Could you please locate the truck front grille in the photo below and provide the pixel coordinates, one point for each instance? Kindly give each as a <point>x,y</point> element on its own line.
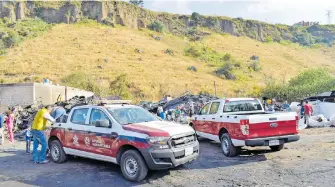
<point>182,141</point>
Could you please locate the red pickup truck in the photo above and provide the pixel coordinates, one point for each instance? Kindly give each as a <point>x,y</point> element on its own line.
<point>239,122</point>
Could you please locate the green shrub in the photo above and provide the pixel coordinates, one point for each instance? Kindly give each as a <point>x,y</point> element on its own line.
<point>120,87</point>
<point>227,57</point>
<point>269,39</point>
<point>156,26</point>
<point>195,18</point>
<point>307,83</point>
<point>255,65</point>
<point>303,38</point>
<point>12,39</point>
<point>226,71</point>
<point>81,80</point>
<point>193,51</point>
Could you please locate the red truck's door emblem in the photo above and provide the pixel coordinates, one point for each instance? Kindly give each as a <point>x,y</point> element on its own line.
<point>75,140</point>
<point>273,125</point>
<point>87,141</point>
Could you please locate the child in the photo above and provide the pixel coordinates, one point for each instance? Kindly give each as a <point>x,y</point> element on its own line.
<point>28,138</point>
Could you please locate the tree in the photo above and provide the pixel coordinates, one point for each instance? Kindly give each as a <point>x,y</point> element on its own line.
<point>195,18</point>
<point>156,26</point>
<point>136,2</point>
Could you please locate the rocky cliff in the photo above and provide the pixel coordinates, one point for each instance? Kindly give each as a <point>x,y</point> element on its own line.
<point>135,17</point>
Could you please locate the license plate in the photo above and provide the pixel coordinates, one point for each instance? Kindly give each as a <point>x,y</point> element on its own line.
<point>188,151</point>
<point>273,142</point>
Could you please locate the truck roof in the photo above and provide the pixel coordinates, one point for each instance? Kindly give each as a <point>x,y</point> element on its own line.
<point>108,106</point>
<point>235,99</point>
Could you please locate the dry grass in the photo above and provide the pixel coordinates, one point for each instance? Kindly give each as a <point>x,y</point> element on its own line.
<point>70,48</point>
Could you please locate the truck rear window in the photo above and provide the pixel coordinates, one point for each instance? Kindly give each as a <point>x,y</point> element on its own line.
<point>242,106</point>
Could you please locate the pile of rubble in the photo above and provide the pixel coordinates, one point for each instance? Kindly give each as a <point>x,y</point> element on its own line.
<point>25,116</point>
<point>185,103</point>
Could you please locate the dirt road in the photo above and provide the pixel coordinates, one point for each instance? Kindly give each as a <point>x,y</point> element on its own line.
<point>309,162</point>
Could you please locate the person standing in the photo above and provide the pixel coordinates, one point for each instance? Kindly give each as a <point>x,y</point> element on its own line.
<point>161,112</point>
<point>38,127</point>
<point>28,138</point>
<point>308,110</point>
<point>10,125</point>
<point>2,136</point>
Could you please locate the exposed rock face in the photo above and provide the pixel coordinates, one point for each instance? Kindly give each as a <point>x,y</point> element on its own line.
<point>118,12</point>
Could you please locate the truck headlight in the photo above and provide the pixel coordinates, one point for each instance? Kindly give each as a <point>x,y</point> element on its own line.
<point>161,142</point>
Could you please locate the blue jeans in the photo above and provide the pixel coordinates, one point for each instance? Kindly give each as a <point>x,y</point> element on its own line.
<point>39,138</point>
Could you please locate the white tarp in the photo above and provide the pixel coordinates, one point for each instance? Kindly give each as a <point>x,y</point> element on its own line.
<point>326,109</point>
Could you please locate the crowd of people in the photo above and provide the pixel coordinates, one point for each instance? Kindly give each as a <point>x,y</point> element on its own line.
<point>180,113</point>
<point>35,132</point>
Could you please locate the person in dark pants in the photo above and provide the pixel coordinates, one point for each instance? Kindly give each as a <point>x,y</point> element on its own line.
<point>28,138</point>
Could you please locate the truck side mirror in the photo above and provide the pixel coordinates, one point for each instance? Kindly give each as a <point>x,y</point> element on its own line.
<point>103,123</point>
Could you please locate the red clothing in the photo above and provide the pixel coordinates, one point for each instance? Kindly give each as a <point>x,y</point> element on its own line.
<point>308,109</point>
<point>10,126</point>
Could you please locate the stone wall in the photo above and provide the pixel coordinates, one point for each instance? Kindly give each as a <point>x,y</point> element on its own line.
<point>29,93</point>
<point>12,94</point>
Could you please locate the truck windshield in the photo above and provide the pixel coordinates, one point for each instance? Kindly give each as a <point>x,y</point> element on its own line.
<point>242,106</point>
<point>126,116</point>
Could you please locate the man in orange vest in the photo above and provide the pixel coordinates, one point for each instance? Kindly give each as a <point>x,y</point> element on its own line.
<point>38,127</point>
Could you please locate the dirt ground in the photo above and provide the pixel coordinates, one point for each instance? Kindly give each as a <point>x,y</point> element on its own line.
<point>308,162</point>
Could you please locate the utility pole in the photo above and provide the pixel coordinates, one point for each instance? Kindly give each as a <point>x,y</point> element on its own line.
<point>329,16</point>
<point>215,88</point>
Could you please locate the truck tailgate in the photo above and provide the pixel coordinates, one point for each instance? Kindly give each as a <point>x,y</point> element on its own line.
<point>266,125</point>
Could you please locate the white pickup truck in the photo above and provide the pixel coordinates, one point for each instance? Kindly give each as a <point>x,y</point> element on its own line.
<point>123,134</point>
<point>238,122</point>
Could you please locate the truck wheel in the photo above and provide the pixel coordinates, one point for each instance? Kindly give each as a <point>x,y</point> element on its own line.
<point>277,147</point>
<point>133,166</point>
<point>228,149</point>
<point>56,151</point>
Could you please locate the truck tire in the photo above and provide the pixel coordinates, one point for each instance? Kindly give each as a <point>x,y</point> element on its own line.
<point>277,147</point>
<point>133,166</point>
<point>228,149</point>
<point>57,152</point>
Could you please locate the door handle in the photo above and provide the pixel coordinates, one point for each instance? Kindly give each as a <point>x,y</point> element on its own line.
<point>114,135</point>
<point>89,132</point>
<point>70,129</point>
<point>59,125</point>
<point>213,118</point>
<point>203,118</point>
<point>220,116</point>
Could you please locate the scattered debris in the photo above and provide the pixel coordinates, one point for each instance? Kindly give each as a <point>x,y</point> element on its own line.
<point>106,60</point>
<point>169,51</point>
<point>99,67</point>
<point>25,116</point>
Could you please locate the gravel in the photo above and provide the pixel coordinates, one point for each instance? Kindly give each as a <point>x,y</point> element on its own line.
<point>308,162</point>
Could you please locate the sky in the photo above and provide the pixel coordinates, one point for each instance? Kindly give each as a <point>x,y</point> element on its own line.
<point>272,11</point>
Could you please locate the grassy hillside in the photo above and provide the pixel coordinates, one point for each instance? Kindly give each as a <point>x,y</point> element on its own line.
<point>104,53</point>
